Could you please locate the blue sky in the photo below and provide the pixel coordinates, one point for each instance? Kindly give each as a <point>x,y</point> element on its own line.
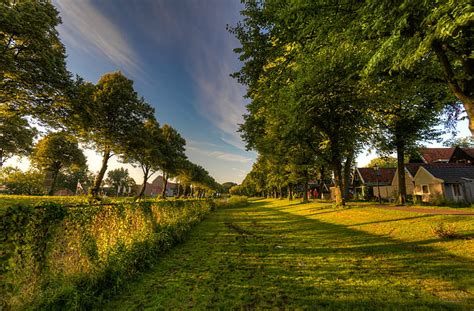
<point>180,55</point>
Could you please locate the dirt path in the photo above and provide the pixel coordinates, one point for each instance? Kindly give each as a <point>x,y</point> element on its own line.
<point>427,210</point>
<point>281,255</point>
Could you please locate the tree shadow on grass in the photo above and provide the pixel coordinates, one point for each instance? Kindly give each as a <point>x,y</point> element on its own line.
<point>265,257</point>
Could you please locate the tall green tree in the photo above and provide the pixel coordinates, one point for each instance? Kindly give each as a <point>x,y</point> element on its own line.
<point>173,157</point>
<point>55,152</point>
<point>291,63</point>
<point>33,75</point>
<point>109,116</point>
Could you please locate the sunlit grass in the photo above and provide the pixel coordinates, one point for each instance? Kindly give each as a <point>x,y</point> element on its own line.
<point>281,254</point>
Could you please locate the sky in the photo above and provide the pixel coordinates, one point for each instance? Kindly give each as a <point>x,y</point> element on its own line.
<point>180,56</point>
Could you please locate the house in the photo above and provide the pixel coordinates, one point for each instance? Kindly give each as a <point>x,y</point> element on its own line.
<point>366,182</point>
<point>444,155</point>
<point>451,183</point>
<point>155,188</point>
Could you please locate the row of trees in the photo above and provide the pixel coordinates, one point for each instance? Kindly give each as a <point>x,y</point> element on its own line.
<point>325,79</point>
<point>108,117</point>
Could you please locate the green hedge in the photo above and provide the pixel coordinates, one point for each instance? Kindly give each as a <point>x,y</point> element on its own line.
<point>59,257</point>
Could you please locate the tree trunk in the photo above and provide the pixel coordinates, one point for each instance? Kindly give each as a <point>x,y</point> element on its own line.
<point>165,183</point>
<point>178,193</point>
<point>321,182</point>
<point>402,191</point>
<point>53,182</point>
<point>347,175</point>
<point>305,186</point>
<point>1,158</point>
<point>338,186</point>
<point>146,171</point>
<point>290,192</point>
<point>280,192</point>
<point>98,180</point>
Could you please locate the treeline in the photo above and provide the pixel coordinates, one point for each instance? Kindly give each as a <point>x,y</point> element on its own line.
<point>37,91</point>
<point>327,78</point>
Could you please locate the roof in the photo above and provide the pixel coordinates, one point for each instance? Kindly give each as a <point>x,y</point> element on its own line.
<point>368,175</point>
<point>413,167</point>
<point>433,155</point>
<point>451,174</point>
<point>469,151</point>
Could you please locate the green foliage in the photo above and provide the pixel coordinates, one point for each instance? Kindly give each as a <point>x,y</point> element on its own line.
<point>33,74</point>
<point>383,162</point>
<point>119,178</point>
<point>463,142</point>
<point>71,257</point>
<point>18,182</point>
<point>146,151</point>
<point>56,152</point>
<point>16,135</point>
<point>109,116</point>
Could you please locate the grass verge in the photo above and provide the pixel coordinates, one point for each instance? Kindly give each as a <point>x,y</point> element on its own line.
<point>287,255</point>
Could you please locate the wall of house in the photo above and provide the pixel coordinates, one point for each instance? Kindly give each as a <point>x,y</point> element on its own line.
<point>468,188</point>
<point>436,188</point>
<point>386,192</point>
<point>408,184</point>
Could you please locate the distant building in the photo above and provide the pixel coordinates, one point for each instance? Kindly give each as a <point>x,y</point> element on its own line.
<point>155,188</point>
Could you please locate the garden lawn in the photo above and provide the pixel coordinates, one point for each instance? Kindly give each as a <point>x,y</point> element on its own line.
<point>281,254</point>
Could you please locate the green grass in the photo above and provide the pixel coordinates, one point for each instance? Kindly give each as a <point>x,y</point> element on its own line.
<point>286,255</point>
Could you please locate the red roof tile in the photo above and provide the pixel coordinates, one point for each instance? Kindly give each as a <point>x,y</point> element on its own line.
<point>369,177</point>
<point>433,155</point>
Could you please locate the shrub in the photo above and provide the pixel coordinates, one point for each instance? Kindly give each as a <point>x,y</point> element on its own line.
<point>444,231</point>
<point>53,256</point>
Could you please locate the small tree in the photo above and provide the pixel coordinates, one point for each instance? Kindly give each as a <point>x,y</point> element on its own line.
<point>146,151</point>
<point>55,152</point>
<point>118,178</point>
<point>19,182</point>
<point>173,154</point>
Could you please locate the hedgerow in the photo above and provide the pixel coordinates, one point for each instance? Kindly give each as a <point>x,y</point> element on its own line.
<point>59,257</point>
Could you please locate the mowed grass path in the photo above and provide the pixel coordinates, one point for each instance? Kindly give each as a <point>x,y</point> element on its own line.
<point>285,255</point>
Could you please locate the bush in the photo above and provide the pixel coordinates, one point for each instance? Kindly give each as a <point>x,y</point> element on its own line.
<point>53,256</point>
<point>444,231</point>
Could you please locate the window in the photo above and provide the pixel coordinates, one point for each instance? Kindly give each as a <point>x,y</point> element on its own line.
<point>456,190</point>
<point>425,189</point>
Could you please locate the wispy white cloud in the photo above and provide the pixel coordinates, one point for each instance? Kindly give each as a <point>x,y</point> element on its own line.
<point>217,154</point>
<point>87,28</point>
<point>202,37</point>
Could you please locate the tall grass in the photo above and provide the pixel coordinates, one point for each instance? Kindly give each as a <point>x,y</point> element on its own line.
<point>54,256</point>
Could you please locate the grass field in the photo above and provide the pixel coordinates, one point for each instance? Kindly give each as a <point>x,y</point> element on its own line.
<point>278,254</point>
